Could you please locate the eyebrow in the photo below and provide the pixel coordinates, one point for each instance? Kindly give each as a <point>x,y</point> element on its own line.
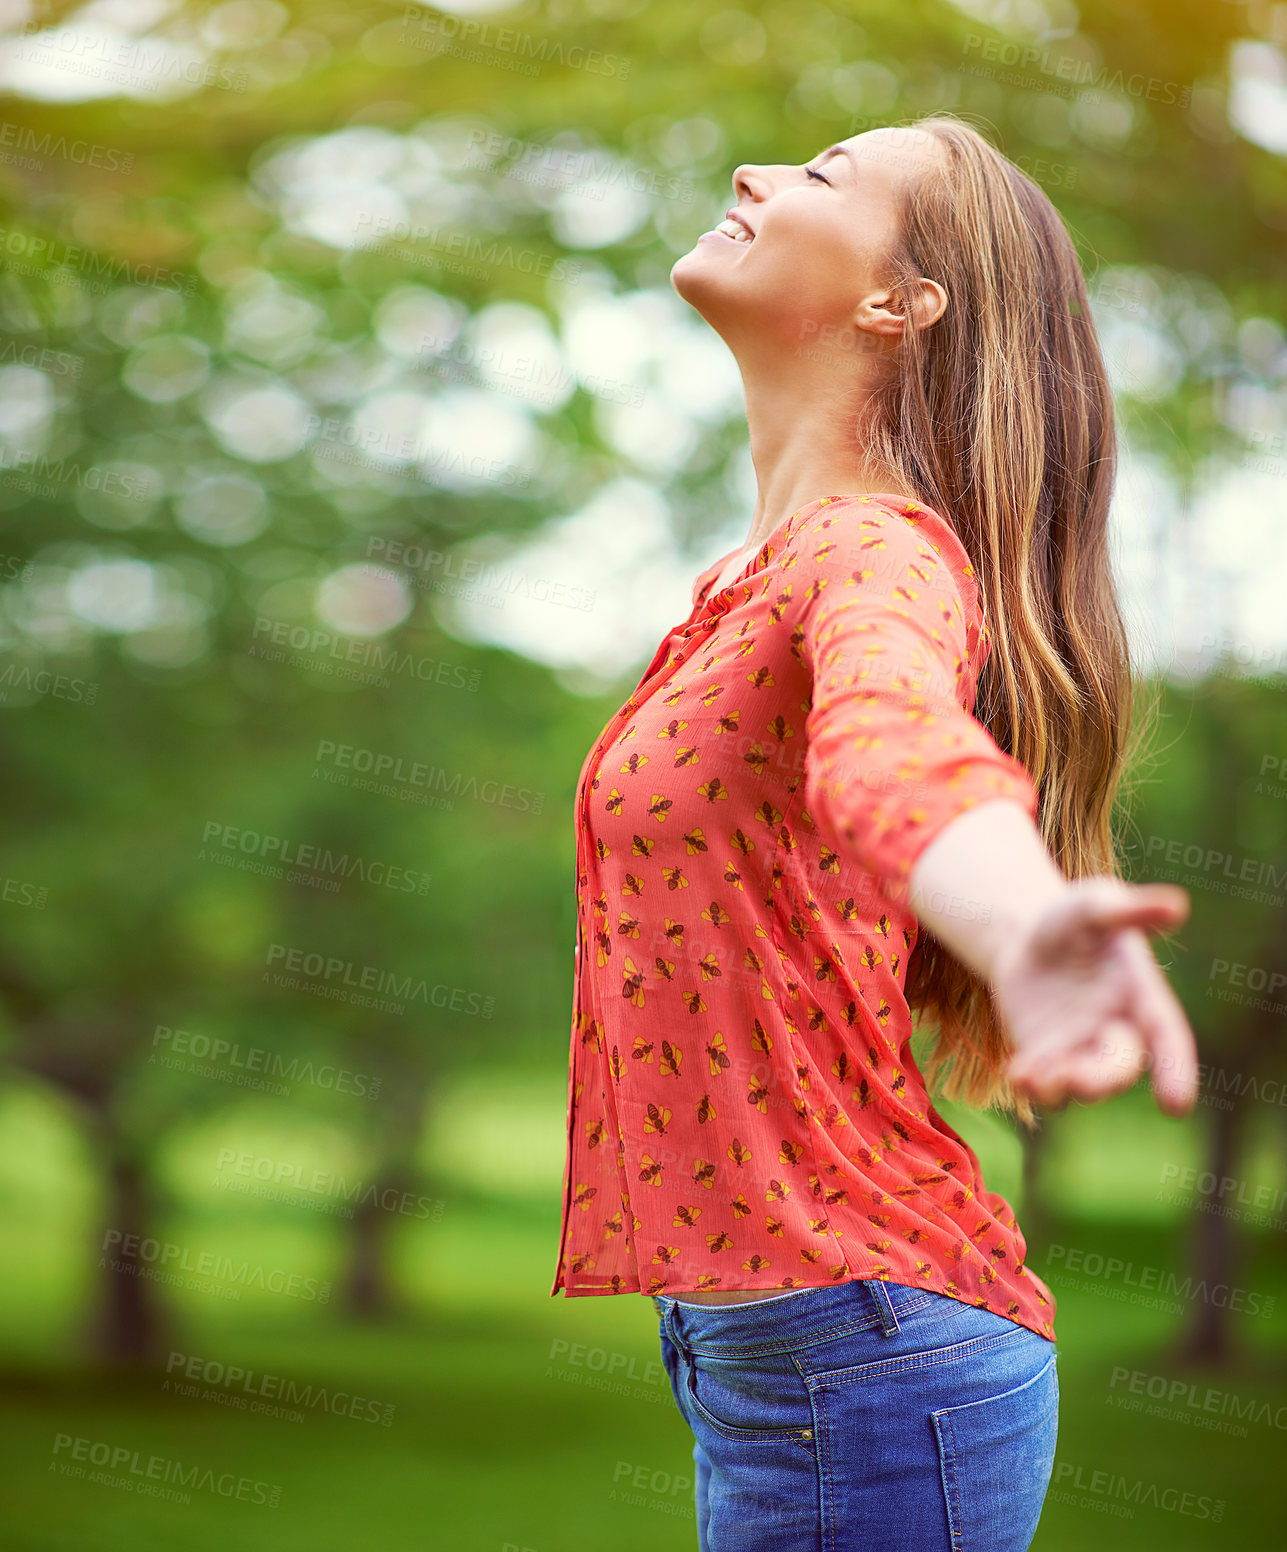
<point>843,150</point>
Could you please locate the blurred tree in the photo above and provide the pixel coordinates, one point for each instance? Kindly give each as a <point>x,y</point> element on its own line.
<point>213,349</point>
<point>1209,809</point>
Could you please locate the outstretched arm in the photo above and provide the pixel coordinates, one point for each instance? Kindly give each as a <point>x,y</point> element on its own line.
<point>916,791</point>
<point>1083,1002</point>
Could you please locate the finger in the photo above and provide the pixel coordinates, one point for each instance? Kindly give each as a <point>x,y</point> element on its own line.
<point>1157,1012</point>
<point>1092,908</point>
<point>1032,1067</point>
<point>1111,1066</point>
<point>1172,1049</point>
<point>1152,907</point>
<point>1122,1051</point>
<point>1040,1073</point>
<point>1051,1106</point>
<point>1039,1089</point>
<point>1093,1068</point>
<point>1048,1083</point>
<point>1044,1053</point>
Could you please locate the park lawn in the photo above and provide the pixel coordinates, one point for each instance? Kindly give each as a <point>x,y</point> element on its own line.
<point>504,1432</point>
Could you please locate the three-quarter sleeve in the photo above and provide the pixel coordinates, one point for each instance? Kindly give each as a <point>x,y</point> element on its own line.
<point>891,632</point>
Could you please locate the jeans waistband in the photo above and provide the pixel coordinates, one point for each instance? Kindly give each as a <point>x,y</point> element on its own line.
<point>771,1325</point>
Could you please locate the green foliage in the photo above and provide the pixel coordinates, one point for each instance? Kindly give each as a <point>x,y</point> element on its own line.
<point>173,309</point>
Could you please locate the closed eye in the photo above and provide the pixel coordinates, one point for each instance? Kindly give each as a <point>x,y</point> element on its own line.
<point>809,172</point>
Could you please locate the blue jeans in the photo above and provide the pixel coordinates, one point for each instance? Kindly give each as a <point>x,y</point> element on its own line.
<point>863,1415</point>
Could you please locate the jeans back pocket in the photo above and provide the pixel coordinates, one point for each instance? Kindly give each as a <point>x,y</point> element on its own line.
<point>997,1454</point>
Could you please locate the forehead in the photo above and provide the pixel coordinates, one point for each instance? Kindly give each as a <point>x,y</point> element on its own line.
<point>893,151</point>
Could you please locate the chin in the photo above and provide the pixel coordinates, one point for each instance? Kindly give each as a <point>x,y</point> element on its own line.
<point>680,270</point>
<point>692,279</point>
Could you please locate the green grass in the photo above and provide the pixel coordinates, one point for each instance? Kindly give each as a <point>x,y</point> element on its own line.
<point>497,1438</point>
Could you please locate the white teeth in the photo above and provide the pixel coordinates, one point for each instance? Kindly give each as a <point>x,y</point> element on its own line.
<point>734,229</point>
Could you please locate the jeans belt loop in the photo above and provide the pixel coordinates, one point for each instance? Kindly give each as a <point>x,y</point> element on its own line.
<point>884,1307</point>
<point>668,1311</point>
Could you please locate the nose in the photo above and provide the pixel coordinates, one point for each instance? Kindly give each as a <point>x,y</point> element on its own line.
<point>750,181</point>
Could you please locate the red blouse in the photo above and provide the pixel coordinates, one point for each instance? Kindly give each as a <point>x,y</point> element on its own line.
<point>743,1108</point>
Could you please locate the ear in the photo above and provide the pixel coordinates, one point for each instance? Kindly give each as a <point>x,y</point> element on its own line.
<point>881,312</point>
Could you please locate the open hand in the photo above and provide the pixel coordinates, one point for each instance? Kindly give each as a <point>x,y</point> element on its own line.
<point>1086,1006</point>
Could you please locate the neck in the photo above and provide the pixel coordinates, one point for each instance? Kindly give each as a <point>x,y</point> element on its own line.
<point>803,423</point>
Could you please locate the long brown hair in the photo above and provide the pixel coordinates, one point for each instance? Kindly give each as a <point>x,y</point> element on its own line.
<point>1000,417</point>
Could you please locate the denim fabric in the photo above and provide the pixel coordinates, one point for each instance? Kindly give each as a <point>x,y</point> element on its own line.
<point>863,1415</point>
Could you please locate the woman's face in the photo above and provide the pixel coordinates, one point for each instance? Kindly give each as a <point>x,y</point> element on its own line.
<point>820,233</point>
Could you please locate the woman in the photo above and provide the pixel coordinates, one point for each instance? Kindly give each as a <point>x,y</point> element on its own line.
<point>872,771</point>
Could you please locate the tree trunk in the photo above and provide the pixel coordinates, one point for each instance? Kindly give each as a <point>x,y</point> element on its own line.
<point>1034,1215</point>
<point>1216,1245</point>
<point>1214,1250</point>
<point>128,1326</point>
<point>368,1290</point>
<point>368,1287</point>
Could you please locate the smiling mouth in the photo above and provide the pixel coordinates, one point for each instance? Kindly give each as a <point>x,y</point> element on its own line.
<point>734,229</point>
